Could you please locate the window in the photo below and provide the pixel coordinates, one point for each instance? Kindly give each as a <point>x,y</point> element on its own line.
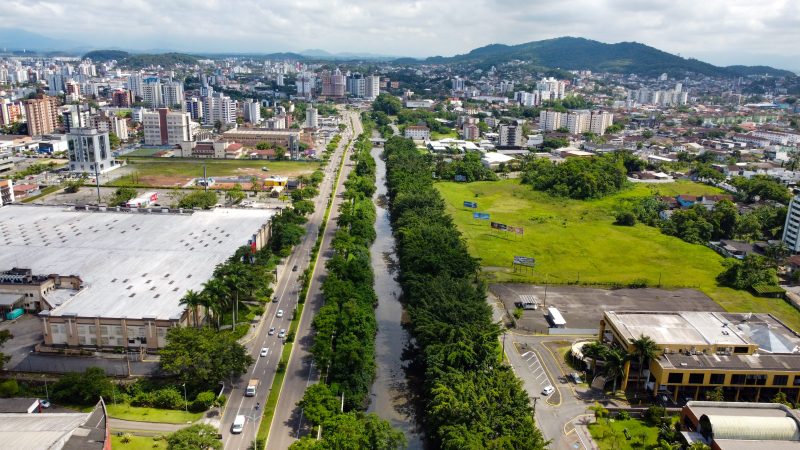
<point>58,332</point>
<point>740,350</point>
<point>87,334</point>
<point>696,378</point>
<point>737,378</point>
<point>755,380</point>
<point>780,380</point>
<point>796,381</point>
<point>675,378</point>
<point>717,378</point>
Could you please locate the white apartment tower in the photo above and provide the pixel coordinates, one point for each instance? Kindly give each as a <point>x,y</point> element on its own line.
<point>550,120</point>
<point>219,107</point>
<point>791,229</point>
<point>601,120</point>
<point>172,93</point>
<point>311,118</point>
<point>373,87</point>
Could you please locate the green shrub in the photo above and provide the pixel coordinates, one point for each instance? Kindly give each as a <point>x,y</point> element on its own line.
<point>9,388</point>
<point>623,415</point>
<point>203,401</point>
<point>220,401</point>
<point>168,398</point>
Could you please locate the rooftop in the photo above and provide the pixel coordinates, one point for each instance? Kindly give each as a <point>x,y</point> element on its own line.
<point>133,265</point>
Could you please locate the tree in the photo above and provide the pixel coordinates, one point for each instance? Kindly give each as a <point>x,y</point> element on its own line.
<point>625,218</point>
<point>195,437</point>
<point>193,300</point>
<point>318,403</point>
<point>74,186</point>
<point>303,207</point>
<point>199,199</point>
<point>644,350</point>
<point>745,273</point>
<point>780,397</point>
<point>114,141</point>
<point>388,104</point>
<point>615,365</point>
<point>716,395</point>
<point>83,388</point>
<point>5,336</point>
<point>202,357</point>
<point>600,412</point>
<point>122,195</point>
<point>594,350</point>
<point>280,153</point>
<point>235,194</point>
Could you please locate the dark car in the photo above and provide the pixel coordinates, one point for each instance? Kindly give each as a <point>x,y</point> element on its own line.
<point>294,269</point>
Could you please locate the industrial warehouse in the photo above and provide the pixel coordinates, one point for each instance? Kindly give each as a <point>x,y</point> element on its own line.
<point>115,278</point>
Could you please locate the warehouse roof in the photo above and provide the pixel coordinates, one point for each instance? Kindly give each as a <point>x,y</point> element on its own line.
<point>133,265</point>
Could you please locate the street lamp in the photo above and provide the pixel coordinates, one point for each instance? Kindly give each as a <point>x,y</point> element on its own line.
<point>185,400</point>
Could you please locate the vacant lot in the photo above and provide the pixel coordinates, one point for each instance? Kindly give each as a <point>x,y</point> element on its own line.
<point>172,172</point>
<point>576,242</point>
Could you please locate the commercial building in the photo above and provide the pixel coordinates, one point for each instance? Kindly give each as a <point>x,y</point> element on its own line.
<point>89,151</point>
<point>791,229</point>
<point>134,267</point>
<point>42,115</point>
<point>165,127</point>
<point>23,426</point>
<point>253,136</point>
<point>740,425</point>
<point>751,357</point>
<point>511,136</point>
<point>417,132</point>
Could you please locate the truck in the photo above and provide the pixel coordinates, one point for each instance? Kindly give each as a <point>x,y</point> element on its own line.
<point>251,388</point>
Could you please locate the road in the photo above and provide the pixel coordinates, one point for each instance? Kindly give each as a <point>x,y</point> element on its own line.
<point>287,292</point>
<point>288,424</point>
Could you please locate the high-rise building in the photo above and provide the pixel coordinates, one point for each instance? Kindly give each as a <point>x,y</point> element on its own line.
<point>305,84</point>
<point>372,87</point>
<point>511,136</point>
<point>356,85</point>
<point>252,111</point>
<point>42,115</point>
<point>194,106</point>
<point>152,93</point>
<point>333,84</point>
<point>791,229</point>
<point>458,84</point>
<point>89,151</point>
<point>551,89</point>
<point>471,132</point>
<point>55,83</point>
<point>165,127</point>
<point>122,98</point>
<point>601,120</point>
<point>219,107</point>
<point>550,120</point>
<point>311,117</point>
<point>172,93</point>
<point>75,116</point>
<point>578,121</point>
<point>136,84</point>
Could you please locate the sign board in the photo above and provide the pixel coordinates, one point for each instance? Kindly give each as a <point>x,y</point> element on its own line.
<point>480,216</point>
<point>518,230</point>
<point>460,178</point>
<point>469,204</point>
<point>499,226</point>
<point>524,261</point>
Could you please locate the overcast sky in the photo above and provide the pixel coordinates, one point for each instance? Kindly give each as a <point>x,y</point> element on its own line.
<point>718,31</point>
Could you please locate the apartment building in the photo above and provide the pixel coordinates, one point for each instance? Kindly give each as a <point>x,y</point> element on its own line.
<point>165,127</point>
<point>791,228</point>
<point>219,108</point>
<point>511,136</point>
<point>42,115</point>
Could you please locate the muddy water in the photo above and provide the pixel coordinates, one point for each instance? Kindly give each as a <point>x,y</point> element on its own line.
<point>390,396</point>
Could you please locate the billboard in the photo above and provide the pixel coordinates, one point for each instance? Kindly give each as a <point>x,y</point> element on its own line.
<point>524,261</point>
<point>469,204</point>
<point>480,216</point>
<point>499,226</point>
<point>518,230</point>
<point>460,178</point>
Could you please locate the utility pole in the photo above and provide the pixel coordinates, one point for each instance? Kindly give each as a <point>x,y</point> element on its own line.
<point>205,178</point>
<point>97,180</point>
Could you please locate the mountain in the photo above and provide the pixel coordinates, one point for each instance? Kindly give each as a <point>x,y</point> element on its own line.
<point>571,53</point>
<point>18,39</point>
<point>142,60</point>
<point>350,56</point>
<point>106,55</point>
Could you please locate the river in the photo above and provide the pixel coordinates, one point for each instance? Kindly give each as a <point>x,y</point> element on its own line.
<point>390,395</point>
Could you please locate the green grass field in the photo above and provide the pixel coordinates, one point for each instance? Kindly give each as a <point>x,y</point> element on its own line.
<point>135,413</point>
<point>173,172</point>
<point>136,443</point>
<point>611,435</point>
<point>576,242</point>
<point>436,135</point>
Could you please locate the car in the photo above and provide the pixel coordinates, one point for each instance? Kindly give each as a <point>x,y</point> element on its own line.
<point>548,390</point>
<point>264,351</point>
<point>275,299</point>
<point>282,333</point>
<point>44,403</point>
<point>576,377</point>
<point>271,331</point>
<point>238,424</point>
<point>279,314</point>
<point>294,269</point>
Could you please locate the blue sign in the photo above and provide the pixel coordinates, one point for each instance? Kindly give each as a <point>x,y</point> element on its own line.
<point>480,216</point>
<point>461,178</point>
<point>469,204</point>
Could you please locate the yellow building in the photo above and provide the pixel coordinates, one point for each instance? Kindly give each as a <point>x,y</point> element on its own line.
<point>750,356</point>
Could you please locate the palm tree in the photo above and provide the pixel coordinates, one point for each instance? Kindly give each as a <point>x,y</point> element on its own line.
<point>615,365</point>
<point>594,350</point>
<point>644,349</point>
<point>192,299</point>
<point>218,296</point>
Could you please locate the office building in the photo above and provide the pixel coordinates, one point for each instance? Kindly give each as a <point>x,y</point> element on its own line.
<point>252,111</point>
<point>172,95</point>
<point>165,127</point>
<point>75,116</point>
<point>42,115</point>
<point>130,284</point>
<point>791,228</point>
<point>89,151</point>
<point>311,118</point>
<point>373,87</point>
<point>511,136</point>
<point>356,85</point>
<point>750,356</point>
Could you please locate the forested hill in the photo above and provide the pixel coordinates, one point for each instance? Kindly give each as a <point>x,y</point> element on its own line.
<point>572,53</point>
<point>138,61</point>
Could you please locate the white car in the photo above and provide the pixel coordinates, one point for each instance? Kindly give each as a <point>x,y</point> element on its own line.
<point>271,331</point>
<point>282,334</point>
<point>264,351</point>
<point>44,403</point>
<point>548,390</point>
<point>279,314</point>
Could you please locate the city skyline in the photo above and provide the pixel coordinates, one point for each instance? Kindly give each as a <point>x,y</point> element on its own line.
<point>732,32</point>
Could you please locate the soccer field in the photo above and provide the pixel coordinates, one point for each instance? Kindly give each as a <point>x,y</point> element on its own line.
<point>576,242</point>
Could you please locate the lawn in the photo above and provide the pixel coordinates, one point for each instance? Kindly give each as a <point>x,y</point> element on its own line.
<point>611,435</point>
<point>173,172</point>
<point>575,241</point>
<point>136,443</point>
<point>436,135</point>
<point>135,413</point>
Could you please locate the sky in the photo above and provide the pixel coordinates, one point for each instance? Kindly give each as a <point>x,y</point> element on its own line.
<point>721,32</point>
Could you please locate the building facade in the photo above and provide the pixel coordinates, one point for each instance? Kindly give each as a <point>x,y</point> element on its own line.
<point>418,133</point>
<point>42,115</point>
<point>89,151</point>
<point>165,127</point>
<point>791,228</point>
<point>511,136</point>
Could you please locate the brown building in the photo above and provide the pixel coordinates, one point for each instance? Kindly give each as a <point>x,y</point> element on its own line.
<point>122,98</point>
<point>250,137</point>
<point>42,115</point>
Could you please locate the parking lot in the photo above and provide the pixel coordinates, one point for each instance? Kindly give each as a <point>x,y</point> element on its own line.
<point>542,379</point>
<point>583,307</point>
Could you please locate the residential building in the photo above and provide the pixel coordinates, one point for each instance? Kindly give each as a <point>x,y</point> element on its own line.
<point>333,84</point>
<point>551,89</point>
<point>457,84</point>
<point>55,83</point>
<point>550,120</point>
<point>791,228</point>
<point>372,87</point>
<point>578,121</point>
<point>417,132</point>
<point>601,120</point>
<point>194,106</point>
<point>172,94</point>
<point>750,356</point>
<point>152,93</point>
<point>6,192</point>
<point>219,107</point>
<point>356,85</point>
<point>122,98</point>
<point>305,84</point>
<point>136,84</point>
<point>42,115</point>
<point>9,112</point>
<point>165,127</point>
<point>311,118</point>
<point>471,132</point>
<point>75,116</point>
<point>252,111</point>
<point>89,151</point>
<point>511,136</point>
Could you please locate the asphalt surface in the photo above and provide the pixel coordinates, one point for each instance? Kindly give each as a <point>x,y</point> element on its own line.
<point>287,292</point>
<point>288,423</point>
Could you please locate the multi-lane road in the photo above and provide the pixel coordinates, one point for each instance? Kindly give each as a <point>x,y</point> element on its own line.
<point>288,423</point>
<point>287,292</point>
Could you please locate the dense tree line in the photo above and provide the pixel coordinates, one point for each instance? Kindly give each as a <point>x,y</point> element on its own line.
<point>470,167</point>
<point>345,326</point>
<point>578,178</point>
<point>761,187</point>
<point>472,399</point>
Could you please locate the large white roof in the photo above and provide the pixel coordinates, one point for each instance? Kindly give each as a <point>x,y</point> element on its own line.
<point>133,265</point>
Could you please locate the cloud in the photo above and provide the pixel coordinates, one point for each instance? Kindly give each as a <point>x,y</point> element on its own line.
<point>719,31</point>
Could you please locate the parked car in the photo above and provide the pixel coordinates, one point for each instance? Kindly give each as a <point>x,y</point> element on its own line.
<point>576,377</point>
<point>548,390</point>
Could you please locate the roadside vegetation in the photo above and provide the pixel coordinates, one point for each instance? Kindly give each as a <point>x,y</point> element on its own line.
<point>456,347</point>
